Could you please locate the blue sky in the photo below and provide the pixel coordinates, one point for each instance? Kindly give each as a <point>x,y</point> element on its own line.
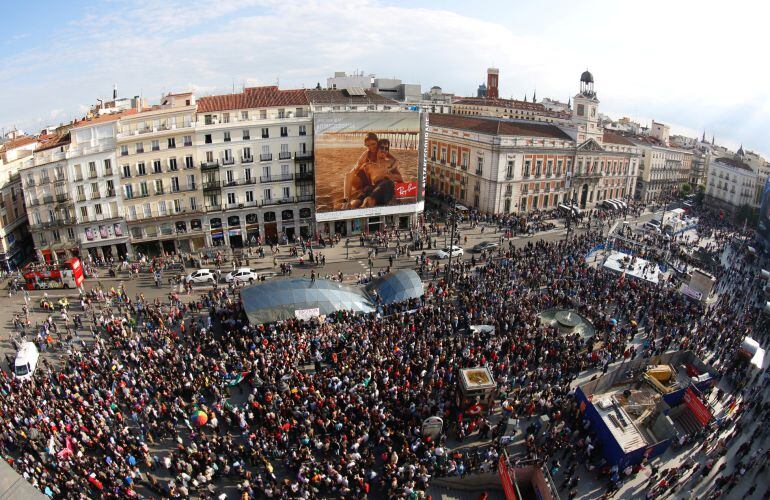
<point>693,65</point>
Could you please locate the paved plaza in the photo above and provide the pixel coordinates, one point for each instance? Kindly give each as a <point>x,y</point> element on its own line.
<point>267,444</point>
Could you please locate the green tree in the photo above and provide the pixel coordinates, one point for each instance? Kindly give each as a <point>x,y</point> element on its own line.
<point>685,190</point>
<point>748,215</point>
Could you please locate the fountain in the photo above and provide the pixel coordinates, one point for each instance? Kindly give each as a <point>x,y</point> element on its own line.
<point>568,322</point>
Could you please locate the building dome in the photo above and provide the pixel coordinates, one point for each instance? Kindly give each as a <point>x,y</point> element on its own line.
<point>587,77</point>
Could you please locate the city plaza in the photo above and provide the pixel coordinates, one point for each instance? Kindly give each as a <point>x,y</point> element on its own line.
<point>170,391</point>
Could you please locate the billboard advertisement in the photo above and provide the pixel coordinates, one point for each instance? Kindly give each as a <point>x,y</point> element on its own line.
<point>368,163</point>
<point>764,214</point>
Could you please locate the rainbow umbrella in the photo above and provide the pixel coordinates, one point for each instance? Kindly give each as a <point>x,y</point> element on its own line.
<point>199,418</point>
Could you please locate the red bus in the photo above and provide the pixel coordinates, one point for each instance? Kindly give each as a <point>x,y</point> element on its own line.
<point>69,274</point>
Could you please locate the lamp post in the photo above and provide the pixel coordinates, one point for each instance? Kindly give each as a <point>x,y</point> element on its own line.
<point>453,221</point>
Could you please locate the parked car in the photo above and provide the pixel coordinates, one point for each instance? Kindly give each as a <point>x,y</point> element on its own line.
<point>445,252</point>
<point>486,245</point>
<point>201,276</point>
<point>652,225</point>
<point>26,361</point>
<point>242,275</point>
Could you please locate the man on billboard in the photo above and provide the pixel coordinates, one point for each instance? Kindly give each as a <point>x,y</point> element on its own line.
<point>372,182</point>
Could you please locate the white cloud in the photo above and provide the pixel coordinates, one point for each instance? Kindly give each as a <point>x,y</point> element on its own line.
<point>678,62</point>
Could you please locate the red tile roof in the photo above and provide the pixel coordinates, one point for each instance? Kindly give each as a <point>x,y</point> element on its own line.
<point>616,139</point>
<point>253,97</point>
<point>17,143</point>
<point>493,126</point>
<point>103,118</point>
<point>501,103</point>
<point>735,163</point>
<point>51,141</point>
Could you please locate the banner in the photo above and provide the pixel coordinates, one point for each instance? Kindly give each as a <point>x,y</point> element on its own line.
<point>700,410</point>
<point>505,479</point>
<point>307,314</point>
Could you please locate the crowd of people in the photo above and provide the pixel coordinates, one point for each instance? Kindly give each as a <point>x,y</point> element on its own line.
<point>333,408</point>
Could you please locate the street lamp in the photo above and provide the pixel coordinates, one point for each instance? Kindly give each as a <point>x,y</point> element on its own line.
<point>453,221</point>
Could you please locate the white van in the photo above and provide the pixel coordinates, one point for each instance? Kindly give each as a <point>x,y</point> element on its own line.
<point>26,361</point>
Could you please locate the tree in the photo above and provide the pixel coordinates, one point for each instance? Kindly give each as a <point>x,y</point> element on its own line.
<point>685,190</point>
<point>748,215</point>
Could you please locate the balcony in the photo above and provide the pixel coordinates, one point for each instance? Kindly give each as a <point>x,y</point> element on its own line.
<point>110,193</point>
<point>31,183</point>
<point>266,157</point>
<point>278,201</point>
<point>303,155</point>
<point>228,161</point>
<point>229,183</point>
<point>249,159</point>
<point>209,165</point>
<point>284,155</point>
<point>303,176</point>
<point>305,197</point>
<point>92,175</point>
<point>276,178</point>
<point>108,173</point>
<point>78,178</point>
<point>212,208</point>
<point>96,196</point>
<point>464,167</point>
<point>211,185</point>
<point>48,199</point>
<point>246,182</point>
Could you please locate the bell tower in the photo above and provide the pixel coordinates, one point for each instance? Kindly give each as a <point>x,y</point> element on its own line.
<point>585,111</point>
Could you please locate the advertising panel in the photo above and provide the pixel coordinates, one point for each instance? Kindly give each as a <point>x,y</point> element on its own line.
<point>368,163</point>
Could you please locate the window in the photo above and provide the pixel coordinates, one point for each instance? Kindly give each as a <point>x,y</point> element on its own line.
<point>156,167</point>
<point>208,120</point>
<point>140,170</point>
<point>175,184</point>
<point>110,188</point>
<point>581,111</point>
<point>84,212</point>
<point>191,182</point>
<point>286,192</point>
<point>107,167</point>
<point>526,168</point>
<point>247,174</point>
<point>162,208</point>
<point>538,167</point>
<point>265,133</point>
<point>171,142</point>
<point>246,135</point>
<point>231,198</point>
<point>302,130</point>
<point>244,115</point>
<point>479,166</point>
<point>225,117</point>
<point>207,138</point>
<point>139,147</point>
<point>281,113</point>
<point>55,234</point>
<point>94,190</point>
<point>187,140</point>
<point>266,172</point>
<point>158,186</point>
<point>188,162</point>
<point>227,136</point>
<point>156,145</point>
<point>229,176</point>
<point>193,203</point>
<point>98,209</point>
<point>178,206</point>
<point>249,196</point>
<point>263,114</point>
<point>266,194</point>
<point>124,150</point>
<point>509,172</point>
<point>209,156</point>
<point>143,189</point>
<point>129,191</point>
<point>549,168</point>
<point>172,164</point>
<point>558,167</point>
<point>246,153</point>
<point>284,131</point>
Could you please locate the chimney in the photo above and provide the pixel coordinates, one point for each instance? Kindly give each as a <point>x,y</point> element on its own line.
<point>114,91</point>
<point>492,79</point>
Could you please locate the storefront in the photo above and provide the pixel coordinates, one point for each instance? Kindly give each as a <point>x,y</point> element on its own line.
<point>216,232</point>
<point>252,229</point>
<point>234,232</point>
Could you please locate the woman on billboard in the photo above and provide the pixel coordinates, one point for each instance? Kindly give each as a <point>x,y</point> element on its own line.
<point>372,182</point>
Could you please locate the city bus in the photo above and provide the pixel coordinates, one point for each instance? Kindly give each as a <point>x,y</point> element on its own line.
<point>68,274</point>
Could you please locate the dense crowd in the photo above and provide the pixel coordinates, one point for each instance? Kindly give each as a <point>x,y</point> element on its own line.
<point>334,408</point>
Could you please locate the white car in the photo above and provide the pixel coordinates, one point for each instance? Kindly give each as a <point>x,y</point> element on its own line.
<point>201,276</point>
<point>454,250</point>
<point>242,275</point>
